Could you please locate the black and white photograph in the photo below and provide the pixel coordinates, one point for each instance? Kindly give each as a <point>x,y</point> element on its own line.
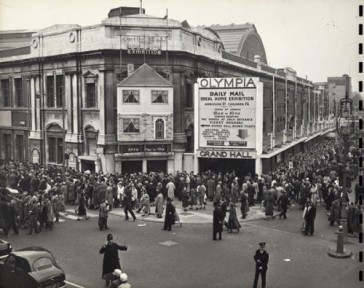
<point>181,144</point>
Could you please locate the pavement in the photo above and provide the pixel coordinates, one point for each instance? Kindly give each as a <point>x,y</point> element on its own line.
<point>194,216</point>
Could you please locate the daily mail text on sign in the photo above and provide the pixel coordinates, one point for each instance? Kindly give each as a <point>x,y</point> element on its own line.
<point>227,112</point>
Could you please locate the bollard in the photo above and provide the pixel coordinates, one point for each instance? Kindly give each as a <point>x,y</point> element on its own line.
<point>340,251</point>
<point>340,241</point>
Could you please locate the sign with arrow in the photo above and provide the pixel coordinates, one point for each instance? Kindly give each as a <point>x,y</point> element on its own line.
<point>227,112</point>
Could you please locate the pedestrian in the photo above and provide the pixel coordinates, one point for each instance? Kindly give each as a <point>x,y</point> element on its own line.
<point>283,201</point>
<point>309,215</point>
<point>201,192</point>
<point>244,204</point>
<point>12,218</point>
<point>111,257</point>
<point>335,212</point>
<point>33,216</point>
<point>169,217</point>
<point>145,203</point>
<point>113,278</point>
<point>185,199</point>
<point>233,222</point>
<point>159,203</point>
<point>261,258</point>
<point>128,203</point>
<point>217,221</point>
<point>171,188</point>
<point>81,210</point>
<point>103,215</point>
<point>124,281</point>
<point>269,204</point>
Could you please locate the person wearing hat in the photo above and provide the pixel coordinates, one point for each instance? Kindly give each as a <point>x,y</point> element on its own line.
<point>113,278</point>
<point>169,217</point>
<point>111,257</point>
<point>283,202</point>
<point>124,281</point>
<point>309,215</point>
<point>261,258</point>
<point>103,215</point>
<point>218,220</point>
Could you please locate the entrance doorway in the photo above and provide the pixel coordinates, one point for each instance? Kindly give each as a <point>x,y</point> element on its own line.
<point>241,166</point>
<point>88,165</point>
<point>157,166</point>
<point>131,167</point>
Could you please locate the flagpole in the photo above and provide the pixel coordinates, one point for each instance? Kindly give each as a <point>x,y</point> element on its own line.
<point>166,40</point>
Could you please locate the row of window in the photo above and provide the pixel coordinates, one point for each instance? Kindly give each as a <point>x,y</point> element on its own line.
<point>8,146</point>
<point>6,91</point>
<point>132,125</point>
<point>133,96</point>
<point>54,92</point>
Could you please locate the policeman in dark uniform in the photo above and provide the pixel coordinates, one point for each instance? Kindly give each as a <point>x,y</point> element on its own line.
<point>261,258</point>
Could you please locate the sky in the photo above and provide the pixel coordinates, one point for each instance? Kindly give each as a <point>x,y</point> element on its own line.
<point>317,38</point>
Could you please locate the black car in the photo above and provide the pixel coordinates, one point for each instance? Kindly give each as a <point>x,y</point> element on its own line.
<point>31,267</point>
<point>5,248</point>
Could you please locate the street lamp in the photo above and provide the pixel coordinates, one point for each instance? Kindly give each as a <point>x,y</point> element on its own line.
<point>345,129</point>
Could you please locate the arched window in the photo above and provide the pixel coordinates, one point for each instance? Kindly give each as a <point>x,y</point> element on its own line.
<point>159,129</point>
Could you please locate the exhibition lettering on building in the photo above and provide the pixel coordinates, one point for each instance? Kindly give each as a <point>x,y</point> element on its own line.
<point>228,118</point>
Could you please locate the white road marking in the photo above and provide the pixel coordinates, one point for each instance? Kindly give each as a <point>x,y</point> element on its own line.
<point>287,260</point>
<point>73,284</point>
<point>168,243</point>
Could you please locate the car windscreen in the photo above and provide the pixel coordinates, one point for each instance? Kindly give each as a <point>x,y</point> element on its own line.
<point>42,263</point>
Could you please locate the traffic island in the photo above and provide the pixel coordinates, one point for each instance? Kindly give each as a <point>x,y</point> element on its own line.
<point>340,252</point>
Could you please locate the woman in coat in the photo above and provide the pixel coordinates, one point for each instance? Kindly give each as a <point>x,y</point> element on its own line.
<point>169,218</point>
<point>159,203</point>
<point>81,210</point>
<point>269,202</point>
<point>335,212</point>
<point>233,220</point>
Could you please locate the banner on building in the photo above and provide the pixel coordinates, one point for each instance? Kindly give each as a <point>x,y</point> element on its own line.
<point>227,112</point>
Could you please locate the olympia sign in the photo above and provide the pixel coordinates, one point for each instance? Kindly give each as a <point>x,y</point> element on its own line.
<point>227,112</point>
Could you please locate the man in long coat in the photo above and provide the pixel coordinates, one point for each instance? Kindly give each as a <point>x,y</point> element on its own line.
<point>218,220</point>
<point>169,218</point>
<point>111,256</point>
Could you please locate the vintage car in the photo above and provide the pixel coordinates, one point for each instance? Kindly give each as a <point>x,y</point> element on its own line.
<point>31,267</point>
<point>5,248</point>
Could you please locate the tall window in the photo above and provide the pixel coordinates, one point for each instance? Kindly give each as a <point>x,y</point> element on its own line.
<point>7,146</point>
<point>20,148</point>
<point>50,91</point>
<point>5,91</point>
<point>90,95</point>
<point>131,125</point>
<point>59,90</point>
<point>19,92</point>
<point>189,95</point>
<point>131,96</point>
<point>159,129</point>
<point>159,96</point>
<point>55,150</point>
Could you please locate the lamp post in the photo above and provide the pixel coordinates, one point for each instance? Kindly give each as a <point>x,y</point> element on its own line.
<point>345,129</point>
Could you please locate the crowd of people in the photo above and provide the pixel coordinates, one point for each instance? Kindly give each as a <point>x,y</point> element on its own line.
<point>32,196</point>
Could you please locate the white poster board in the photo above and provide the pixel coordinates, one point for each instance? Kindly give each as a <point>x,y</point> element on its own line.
<point>227,112</point>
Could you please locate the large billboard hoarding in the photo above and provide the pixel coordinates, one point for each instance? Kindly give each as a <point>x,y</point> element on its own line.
<point>227,112</point>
